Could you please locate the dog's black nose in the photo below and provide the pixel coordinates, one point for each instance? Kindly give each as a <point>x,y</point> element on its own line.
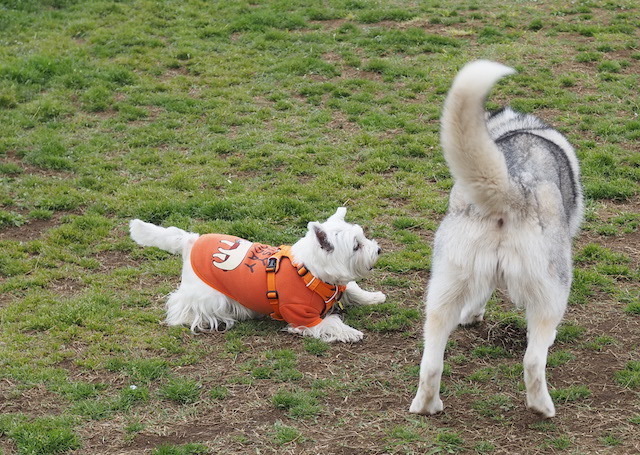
<point>379,251</point>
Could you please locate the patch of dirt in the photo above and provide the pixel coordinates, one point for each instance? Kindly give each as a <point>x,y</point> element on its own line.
<point>114,259</point>
<point>11,156</point>
<point>35,401</point>
<point>30,231</point>
<point>66,287</point>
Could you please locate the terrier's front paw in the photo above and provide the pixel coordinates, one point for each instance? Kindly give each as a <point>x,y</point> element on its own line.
<point>377,298</point>
<point>346,335</point>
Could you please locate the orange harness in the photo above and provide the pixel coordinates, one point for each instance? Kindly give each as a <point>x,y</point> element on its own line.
<point>329,293</point>
<point>263,278</point>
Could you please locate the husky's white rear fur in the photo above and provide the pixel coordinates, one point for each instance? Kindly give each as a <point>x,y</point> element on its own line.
<point>514,208</point>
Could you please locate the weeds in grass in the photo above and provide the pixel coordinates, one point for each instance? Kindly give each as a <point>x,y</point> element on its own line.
<point>385,317</point>
<point>633,307</point>
<point>611,440</point>
<point>558,358</point>
<point>568,332</point>
<point>630,376</point>
<point>494,407</point>
<point>142,370</point>
<point>279,366</point>
<point>448,442</point>
<point>218,393</point>
<point>103,408</point>
<point>315,346</point>
<point>490,352</point>
<point>181,390</point>
<point>599,343</point>
<point>560,442</point>
<point>573,393</point>
<point>297,403</point>
<point>283,434</point>
<point>186,449</point>
<point>48,435</point>
<point>484,447</point>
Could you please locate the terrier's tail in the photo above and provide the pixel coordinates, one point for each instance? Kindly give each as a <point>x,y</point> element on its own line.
<point>476,163</point>
<point>171,239</point>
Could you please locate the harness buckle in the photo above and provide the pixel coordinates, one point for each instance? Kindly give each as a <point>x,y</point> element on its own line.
<point>272,295</point>
<point>272,264</point>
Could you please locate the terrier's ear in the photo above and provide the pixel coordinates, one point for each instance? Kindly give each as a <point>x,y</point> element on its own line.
<point>339,215</point>
<point>321,235</point>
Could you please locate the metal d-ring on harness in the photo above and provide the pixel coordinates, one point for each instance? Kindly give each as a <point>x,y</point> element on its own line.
<point>329,293</point>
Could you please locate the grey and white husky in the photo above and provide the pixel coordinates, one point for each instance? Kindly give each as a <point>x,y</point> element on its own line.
<point>514,208</point>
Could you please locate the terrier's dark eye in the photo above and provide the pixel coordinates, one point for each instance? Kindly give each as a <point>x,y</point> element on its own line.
<point>357,246</point>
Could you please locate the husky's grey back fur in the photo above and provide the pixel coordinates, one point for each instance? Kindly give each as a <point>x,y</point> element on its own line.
<point>510,153</point>
<point>513,210</point>
<point>535,152</point>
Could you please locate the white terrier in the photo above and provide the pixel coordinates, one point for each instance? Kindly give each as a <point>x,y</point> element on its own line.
<point>514,208</point>
<point>227,279</point>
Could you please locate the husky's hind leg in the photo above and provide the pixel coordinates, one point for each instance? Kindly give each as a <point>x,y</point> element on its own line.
<point>449,291</point>
<point>545,302</point>
<point>541,332</point>
<point>473,311</point>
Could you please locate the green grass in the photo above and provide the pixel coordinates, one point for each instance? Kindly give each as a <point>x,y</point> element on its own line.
<point>181,390</point>
<point>630,376</point>
<point>49,435</point>
<point>569,332</point>
<point>297,403</point>
<point>254,118</point>
<point>611,440</point>
<point>185,449</point>
<point>493,407</point>
<point>279,365</point>
<point>385,317</point>
<point>316,347</point>
<point>283,434</point>
<point>558,358</point>
<point>562,442</point>
<point>218,393</point>
<point>572,393</point>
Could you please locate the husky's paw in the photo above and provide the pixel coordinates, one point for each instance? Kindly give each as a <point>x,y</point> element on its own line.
<point>471,319</point>
<point>418,406</point>
<point>543,406</point>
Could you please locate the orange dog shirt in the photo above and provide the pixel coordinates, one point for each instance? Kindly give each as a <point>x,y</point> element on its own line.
<point>240,270</point>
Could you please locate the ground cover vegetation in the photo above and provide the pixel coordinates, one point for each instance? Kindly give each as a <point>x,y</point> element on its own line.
<point>253,118</point>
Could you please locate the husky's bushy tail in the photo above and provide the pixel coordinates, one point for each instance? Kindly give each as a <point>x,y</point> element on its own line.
<point>171,239</point>
<point>476,163</point>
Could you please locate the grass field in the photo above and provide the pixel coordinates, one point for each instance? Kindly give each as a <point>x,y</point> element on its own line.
<point>253,118</point>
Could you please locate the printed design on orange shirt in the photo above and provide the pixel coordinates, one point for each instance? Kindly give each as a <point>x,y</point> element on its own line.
<point>233,254</point>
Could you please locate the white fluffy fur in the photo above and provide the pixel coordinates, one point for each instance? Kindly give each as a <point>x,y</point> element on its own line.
<point>465,138</point>
<point>199,306</point>
<point>493,236</point>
